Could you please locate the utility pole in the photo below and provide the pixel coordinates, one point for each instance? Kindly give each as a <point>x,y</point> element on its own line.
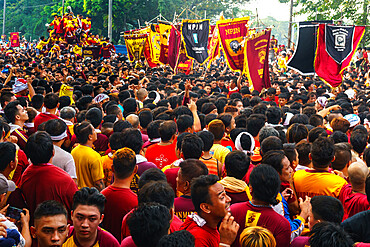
<point>62,8</point>
<point>4,17</point>
<point>110,20</point>
<point>290,23</point>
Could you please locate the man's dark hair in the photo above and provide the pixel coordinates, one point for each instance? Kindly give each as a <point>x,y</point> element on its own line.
<point>342,155</point>
<point>299,118</point>
<point>167,129</point>
<point>55,127</point>
<point>145,118</point>
<point>192,146</point>
<point>124,162</point>
<point>11,110</point>
<point>322,152</point>
<point>296,132</point>
<point>39,148</point>
<point>157,191</point>
<point>148,224</point>
<point>316,133</point>
<point>274,159</point>
<point>8,153</point>
<point>49,208</point>
<point>182,110</point>
<point>271,143</point>
<point>207,138</point>
<point>82,131</point>
<point>338,136</point>
<point>129,106</point>
<point>265,182</point>
<point>51,100</point>
<point>94,116</point>
<point>115,141</point>
<point>184,122</point>
<point>274,115</point>
<point>121,125</point>
<point>181,238</point>
<point>37,101</point>
<point>359,141</point>
<point>328,234</point>
<point>316,120</point>
<point>113,109</point>
<point>327,208</point>
<point>290,151</point>
<point>153,129</point>
<point>90,197</point>
<point>255,122</point>
<point>192,168</point>
<point>131,138</point>
<point>152,174</point>
<point>237,164</point>
<point>200,190</point>
<point>303,148</point>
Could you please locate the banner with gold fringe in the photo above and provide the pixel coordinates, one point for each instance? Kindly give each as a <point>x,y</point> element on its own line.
<point>231,33</point>
<point>256,66</point>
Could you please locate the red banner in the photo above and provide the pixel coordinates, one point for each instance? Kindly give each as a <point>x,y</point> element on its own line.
<point>256,60</point>
<point>341,43</point>
<point>14,39</point>
<point>231,33</point>
<point>174,47</point>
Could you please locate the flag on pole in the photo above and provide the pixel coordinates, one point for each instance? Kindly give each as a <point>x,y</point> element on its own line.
<point>231,33</point>
<point>256,60</point>
<point>174,43</point>
<point>335,48</point>
<point>304,54</point>
<point>195,34</point>
<point>214,44</point>
<point>135,44</point>
<point>14,39</point>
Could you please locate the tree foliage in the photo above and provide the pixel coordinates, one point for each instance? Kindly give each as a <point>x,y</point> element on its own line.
<point>352,12</point>
<point>30,16</point>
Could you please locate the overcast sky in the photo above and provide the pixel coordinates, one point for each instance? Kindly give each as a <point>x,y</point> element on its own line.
<point>280,11</point>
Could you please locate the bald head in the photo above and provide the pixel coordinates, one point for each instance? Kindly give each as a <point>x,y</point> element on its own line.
<point>134,120</point>
<point>357,173</point>
<point>141,94</point>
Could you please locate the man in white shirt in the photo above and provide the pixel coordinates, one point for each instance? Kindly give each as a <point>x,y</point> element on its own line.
<point>57,129</point>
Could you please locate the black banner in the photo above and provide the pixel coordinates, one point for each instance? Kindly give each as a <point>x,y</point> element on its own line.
<point>338,41</point>
<point>195,34</point>
<point>304,55</point>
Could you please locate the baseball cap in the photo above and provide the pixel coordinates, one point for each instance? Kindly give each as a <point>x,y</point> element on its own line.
<point>6,185</point>
<point>353,119</point>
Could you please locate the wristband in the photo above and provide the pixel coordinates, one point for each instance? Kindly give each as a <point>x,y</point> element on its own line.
<point>224,245</point>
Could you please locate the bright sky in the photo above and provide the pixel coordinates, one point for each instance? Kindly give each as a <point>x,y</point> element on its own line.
<point>280,11</point>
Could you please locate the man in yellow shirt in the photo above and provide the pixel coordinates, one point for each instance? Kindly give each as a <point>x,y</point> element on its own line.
<point>89,168</point>
<point>318,180</point>
<point>217,128</point>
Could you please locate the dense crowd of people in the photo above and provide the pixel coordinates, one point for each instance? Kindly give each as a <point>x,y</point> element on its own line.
<point>100,153</point>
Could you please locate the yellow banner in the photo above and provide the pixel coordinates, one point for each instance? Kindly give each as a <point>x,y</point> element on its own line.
<point>66,91</point>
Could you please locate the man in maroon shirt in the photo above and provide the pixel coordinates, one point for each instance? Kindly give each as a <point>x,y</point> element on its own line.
<point>95,116</point>
<point>323,209</point>
<point>189,169</point>
<point>353,196</point>
<point>264,185</point>
<point>43,181</point>
<point>17,116</point>
<point>51,103</point>
<point>236,165</point>
<point>120,199</point>
<point>159,192</point>
<point>211,204</point>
